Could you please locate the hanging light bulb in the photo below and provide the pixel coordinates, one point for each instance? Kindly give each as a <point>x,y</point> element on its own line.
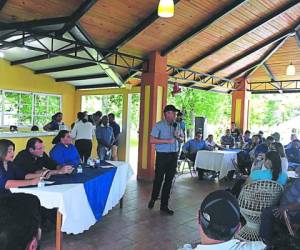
<point>291,70</point>
<point>166,8</point>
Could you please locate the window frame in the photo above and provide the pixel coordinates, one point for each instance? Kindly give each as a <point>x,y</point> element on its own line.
<point>33,95</point>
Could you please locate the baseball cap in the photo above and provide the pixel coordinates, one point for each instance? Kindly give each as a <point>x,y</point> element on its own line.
<point>170,108</point>
<point>220,213</point>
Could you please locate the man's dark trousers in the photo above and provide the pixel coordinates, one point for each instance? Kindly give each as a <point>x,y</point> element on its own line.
<point>166,164</point>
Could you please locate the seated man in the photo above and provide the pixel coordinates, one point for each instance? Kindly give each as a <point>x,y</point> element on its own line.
<point>227,139</point>
<point>246,138</point>
<point>191,147</point>
<point>219,220</point>
<point>276,136</point>
<point>289,202</point>
<point>33,162</point>
<point>293,153</point>
<point>64,152</point>
<point>266,146</point>
<point>20,218</point>
<point>289,145</point>
<point>210,143</point>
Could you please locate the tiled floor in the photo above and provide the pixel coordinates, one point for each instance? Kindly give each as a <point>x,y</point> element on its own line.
<point>135,227</point>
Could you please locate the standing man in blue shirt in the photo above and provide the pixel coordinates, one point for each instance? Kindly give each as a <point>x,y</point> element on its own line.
<point>166,137</point>
<point>105,139</point>
<point>117,131</point>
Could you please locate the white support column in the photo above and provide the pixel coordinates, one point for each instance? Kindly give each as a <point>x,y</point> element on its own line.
<point>124,148</point>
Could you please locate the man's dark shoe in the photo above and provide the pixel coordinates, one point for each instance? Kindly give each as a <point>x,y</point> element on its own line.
<point>151,204</point>
<point>167,210</point>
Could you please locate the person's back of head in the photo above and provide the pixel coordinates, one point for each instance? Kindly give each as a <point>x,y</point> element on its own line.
<point>20,219</point>
<point>276,136</point>
<point>219,217</point>
<point>34,128</point>
<point>274,158</point>
<point>13,128</point>
<point>81,116</point>
<point>278,147</point>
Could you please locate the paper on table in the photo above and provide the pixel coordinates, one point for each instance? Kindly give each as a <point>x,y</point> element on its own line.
<point>292,174</point>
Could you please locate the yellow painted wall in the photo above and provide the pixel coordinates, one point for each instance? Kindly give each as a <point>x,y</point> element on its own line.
<point>21,143</point>
<point>23,79</point>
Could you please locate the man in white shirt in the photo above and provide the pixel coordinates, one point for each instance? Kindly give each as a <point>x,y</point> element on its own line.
<point>219,220</point>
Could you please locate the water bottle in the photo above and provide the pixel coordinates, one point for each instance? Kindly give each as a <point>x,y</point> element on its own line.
<point>79,169</point>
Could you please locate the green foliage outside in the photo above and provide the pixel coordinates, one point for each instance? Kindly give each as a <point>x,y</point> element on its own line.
<point>275,113</point>
<point>216,107</point>
<point>25,109</point>
<point>105,103</point>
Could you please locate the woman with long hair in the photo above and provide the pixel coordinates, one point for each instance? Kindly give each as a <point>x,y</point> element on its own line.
<point>278,147</point>
<point>83,132</point>
<point>271,169</point>
<point>64,152</point>
<point>7,174</point>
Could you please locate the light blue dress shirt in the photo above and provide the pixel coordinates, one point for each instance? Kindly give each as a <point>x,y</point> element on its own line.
<point>164,130</point>
<point>193,145</point>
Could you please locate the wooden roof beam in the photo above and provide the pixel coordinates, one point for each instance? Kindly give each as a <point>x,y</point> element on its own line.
<point>297,35</point>
<point>248,29</point>
<point>43,57</point>
<point>268,54</point>
<point>34,23</point>
<point>202,26</point>
<point>249,69</point>
<point>80,78</point>
<point>64,68</point>
<point>269,71</point>
<point>136,30</point>
<point>2,3</point>
<point>247,53</point>
<point>83,8</point>
<point>97,86</point>
<point>110,72</point>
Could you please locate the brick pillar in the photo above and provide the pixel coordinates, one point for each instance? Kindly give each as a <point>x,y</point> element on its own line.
<point>154,87</point>
<point>240,105</point>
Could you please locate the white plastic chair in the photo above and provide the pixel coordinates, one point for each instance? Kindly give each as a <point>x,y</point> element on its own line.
<point>253,198</point>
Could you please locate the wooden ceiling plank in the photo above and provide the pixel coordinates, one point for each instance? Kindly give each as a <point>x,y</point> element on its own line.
<point>268,54</point>
<point>83,8</point>
<point>252,27</point>
<point>202,26</point>
<point>138,29</point>
<point>250,51</point>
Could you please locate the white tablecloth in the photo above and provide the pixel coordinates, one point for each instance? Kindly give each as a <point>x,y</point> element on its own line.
<point>219,161</point>
<point>72,203</point>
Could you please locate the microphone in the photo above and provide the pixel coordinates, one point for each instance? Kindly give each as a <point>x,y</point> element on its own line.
<point>174,125</point>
